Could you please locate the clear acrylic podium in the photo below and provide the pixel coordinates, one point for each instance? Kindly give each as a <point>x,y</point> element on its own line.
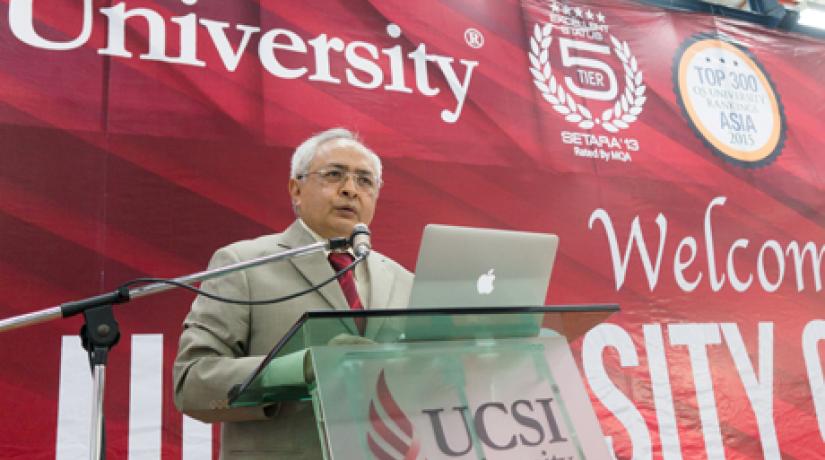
<point>458,383</point>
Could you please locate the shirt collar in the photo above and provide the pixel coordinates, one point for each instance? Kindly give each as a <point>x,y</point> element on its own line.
<point>319,239</point>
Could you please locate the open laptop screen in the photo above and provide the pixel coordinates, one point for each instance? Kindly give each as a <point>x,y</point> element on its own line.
<point>476,267</point>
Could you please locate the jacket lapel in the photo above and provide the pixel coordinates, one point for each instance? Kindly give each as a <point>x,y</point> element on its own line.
<point>314,267</point>
<point>381,279</point>
<point>381,282</point>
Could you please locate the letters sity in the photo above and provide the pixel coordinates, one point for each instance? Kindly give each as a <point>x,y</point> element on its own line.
<point>698,338</point>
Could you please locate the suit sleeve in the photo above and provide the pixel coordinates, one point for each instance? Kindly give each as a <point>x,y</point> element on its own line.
<point>213,350</point>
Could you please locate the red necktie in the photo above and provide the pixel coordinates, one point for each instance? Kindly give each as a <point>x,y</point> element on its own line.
<point>340,260</point>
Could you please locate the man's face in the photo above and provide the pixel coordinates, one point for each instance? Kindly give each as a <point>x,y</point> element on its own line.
<point>332,209</point>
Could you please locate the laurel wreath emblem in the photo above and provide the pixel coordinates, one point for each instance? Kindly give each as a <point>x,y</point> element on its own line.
<point>625,111</point>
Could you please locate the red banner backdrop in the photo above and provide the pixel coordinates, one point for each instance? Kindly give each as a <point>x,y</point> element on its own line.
<point>676,155</point>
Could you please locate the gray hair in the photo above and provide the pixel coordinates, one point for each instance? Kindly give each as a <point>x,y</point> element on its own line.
<point>306,152</point>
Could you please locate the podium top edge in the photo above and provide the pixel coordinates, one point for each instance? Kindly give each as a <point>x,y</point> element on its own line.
<point>401,311</point>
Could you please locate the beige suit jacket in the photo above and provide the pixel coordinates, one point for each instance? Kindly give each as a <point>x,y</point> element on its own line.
<point>222,344</point>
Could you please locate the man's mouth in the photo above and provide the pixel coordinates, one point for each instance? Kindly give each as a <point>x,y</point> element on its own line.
<point>346,209</point>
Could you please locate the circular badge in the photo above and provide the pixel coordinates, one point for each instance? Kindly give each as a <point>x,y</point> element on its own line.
<point>729,101</point>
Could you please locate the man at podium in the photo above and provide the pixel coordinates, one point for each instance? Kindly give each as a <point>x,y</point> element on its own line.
<point>334,184</point>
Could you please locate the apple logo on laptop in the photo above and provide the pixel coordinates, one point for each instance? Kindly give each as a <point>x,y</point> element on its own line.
<point>485,282</point>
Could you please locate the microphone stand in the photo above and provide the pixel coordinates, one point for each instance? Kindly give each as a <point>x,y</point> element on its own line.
<point>100,331</point>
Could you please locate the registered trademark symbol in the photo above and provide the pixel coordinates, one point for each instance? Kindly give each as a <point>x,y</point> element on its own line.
<point>473,38</point>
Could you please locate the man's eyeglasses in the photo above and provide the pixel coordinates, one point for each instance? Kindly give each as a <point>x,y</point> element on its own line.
<point>365,182</point>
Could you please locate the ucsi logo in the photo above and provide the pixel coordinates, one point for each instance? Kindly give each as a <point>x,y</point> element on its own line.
<point>535,419</point>
<point>502,430</point>
<point>282,52</point>
<point>521,428</point>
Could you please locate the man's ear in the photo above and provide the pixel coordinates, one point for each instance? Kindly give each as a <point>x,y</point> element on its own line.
<point>294,187</point>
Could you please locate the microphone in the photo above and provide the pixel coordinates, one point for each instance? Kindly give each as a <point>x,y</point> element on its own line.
<point>360,240</point>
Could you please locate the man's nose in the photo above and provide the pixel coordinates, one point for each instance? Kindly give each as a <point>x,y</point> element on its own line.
<point>348,186</point>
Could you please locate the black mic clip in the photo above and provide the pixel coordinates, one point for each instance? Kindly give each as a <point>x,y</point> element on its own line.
<point>337,243</point>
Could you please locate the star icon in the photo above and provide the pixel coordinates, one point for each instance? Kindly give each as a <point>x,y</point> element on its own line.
<point>555,7</point>
<point>600,16</point>
<point>565,10</point>
<point>578,11</point>
<point>589,15</point>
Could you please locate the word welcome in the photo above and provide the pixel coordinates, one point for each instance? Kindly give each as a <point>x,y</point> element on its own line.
<point>770,254</point>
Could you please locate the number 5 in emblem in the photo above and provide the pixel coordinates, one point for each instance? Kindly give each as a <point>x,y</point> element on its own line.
<point>593,78</point>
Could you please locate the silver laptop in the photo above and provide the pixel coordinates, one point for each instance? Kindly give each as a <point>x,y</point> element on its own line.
<point>476,267</point>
